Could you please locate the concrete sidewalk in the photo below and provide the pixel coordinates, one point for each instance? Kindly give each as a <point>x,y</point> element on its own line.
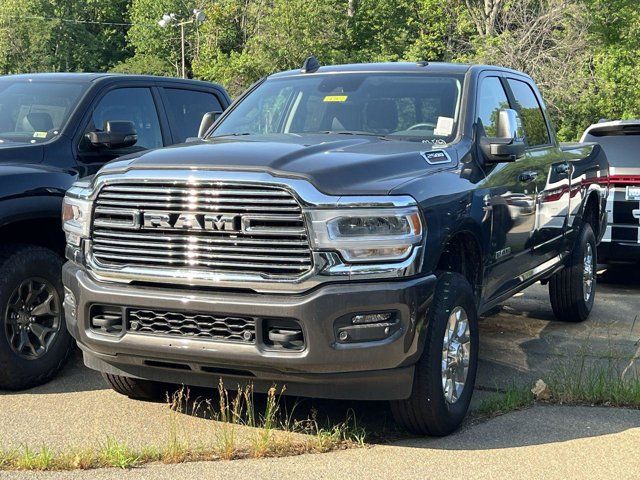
<point>540,443</point>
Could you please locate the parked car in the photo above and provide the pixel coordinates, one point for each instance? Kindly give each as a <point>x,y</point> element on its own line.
<point>338,231</point>
<point>54,129</point>
<point>621,142</point>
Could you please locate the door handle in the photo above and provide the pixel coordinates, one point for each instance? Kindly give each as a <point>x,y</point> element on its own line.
<point>563,169</point>
<point>529,176</point>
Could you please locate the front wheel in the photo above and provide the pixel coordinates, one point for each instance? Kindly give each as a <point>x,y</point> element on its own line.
<point>573,289</point>
<point>446,372</point>
<point>34,341</point>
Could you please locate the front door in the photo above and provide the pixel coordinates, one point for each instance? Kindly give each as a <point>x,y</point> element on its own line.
<point>133,104</point>
<point>511,198</point>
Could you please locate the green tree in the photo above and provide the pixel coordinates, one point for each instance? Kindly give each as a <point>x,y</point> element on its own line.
<point>62,35</point>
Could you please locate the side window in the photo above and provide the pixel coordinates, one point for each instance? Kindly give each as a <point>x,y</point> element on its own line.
<point>533,122</point>
<point>491,100</point>
<point>186,108</point>
<point>132,105</point>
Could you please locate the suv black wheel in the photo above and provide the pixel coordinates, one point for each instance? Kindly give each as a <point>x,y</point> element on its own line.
<point>446,372</point>
<point>136,388</point>
<point>573,289</point>
<point>34,341</point>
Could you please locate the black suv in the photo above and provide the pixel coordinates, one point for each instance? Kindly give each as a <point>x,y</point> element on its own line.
<point>339,230</point>
<point>55,129</point>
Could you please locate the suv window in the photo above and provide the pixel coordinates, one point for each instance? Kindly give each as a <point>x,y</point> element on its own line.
<point>491,100</point>
<point>621,146</point>
<point>132,105</point>
<point>533,122</point>
<point>186,109</point>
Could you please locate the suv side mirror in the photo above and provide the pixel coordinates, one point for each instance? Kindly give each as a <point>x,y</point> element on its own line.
<point>116,134</point>
<point>208,119</point>
<point>509,145</point>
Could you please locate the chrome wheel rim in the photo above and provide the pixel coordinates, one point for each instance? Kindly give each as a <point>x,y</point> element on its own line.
<point>32,318</point>
<point>588,273</point>
<point>456,353</point>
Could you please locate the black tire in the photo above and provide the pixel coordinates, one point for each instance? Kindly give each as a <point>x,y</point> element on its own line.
<point>18,264</point>
<point>567,287</point>
<point>426,411</point>
<point>136,388</point>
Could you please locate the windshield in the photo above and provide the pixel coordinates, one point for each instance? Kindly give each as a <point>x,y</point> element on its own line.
<point>404,106</point>
<point>34,112</point>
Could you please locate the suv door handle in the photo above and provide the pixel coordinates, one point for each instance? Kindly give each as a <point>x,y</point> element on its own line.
<point>529,176</point>
<point>563,169</point>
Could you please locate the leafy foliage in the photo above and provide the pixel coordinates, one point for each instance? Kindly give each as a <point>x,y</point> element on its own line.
<point>582,53</point>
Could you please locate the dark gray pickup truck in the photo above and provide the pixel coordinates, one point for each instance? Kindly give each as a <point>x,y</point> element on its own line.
<point>339,231</point>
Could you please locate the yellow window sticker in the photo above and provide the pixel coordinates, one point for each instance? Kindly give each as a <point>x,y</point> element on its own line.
<point>336,98</point>
<point>39,134</point>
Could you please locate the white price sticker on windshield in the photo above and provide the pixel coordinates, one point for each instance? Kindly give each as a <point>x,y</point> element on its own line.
<point>444,128</point>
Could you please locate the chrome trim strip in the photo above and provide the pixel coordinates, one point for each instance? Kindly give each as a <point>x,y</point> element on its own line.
<point>328,267</point>
<point>303,190</point>
<point>548,265</point>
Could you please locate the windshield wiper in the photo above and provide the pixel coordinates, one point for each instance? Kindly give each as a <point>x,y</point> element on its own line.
<point>353,132</point>
<point>236,134</point>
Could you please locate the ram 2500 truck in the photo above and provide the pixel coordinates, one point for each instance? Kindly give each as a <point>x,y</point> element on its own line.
<point>338,231</point>
<point>55,129</point>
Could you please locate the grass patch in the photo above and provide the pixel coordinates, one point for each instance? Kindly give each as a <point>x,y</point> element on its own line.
<point>586,382</point>
<point>514,398</point>
<point>276,433</point>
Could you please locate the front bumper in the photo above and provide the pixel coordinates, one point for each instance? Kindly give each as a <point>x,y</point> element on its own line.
<point>326,368</point>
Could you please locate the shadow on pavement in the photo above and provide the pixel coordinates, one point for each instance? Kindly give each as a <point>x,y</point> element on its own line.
<point>539,425</point>
<point>75,377</point>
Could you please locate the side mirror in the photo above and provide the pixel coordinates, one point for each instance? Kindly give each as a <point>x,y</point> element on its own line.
<point>509,144</point>
<point>116,134</point>
<point>208,119</point>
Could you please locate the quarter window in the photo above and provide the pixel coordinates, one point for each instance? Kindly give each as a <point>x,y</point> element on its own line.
<point>533,122</point>
<point>492,99</point>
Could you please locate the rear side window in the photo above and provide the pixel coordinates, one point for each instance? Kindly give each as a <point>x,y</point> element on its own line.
<point>622,150</point>
<point>492,99</point>
<point>533,122</point>
<point>186,109</point>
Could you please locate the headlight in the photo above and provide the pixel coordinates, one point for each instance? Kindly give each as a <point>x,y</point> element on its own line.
<point>76,213</point>
<point>367,235</point>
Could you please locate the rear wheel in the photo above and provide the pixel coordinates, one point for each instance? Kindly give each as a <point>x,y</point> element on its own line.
<point>572,290</point>
<point>135,387</point>
<point>446,372</point>
<point>34,341</point>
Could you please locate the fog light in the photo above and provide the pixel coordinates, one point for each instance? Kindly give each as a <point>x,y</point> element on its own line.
<point>371,318</point>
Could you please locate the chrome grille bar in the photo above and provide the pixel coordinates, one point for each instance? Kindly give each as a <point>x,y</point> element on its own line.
<point>270,238</point>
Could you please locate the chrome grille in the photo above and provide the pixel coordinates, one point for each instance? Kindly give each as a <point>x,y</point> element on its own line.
<point>214,327</point>
<point>270,240</point>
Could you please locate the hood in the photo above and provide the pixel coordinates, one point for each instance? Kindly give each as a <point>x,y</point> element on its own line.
<point>20,180</point>
<point>334,164</point>
<point>11,152</point>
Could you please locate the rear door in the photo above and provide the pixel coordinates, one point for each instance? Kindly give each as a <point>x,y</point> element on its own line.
<point>621,143</point>
<point>185,108</point>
